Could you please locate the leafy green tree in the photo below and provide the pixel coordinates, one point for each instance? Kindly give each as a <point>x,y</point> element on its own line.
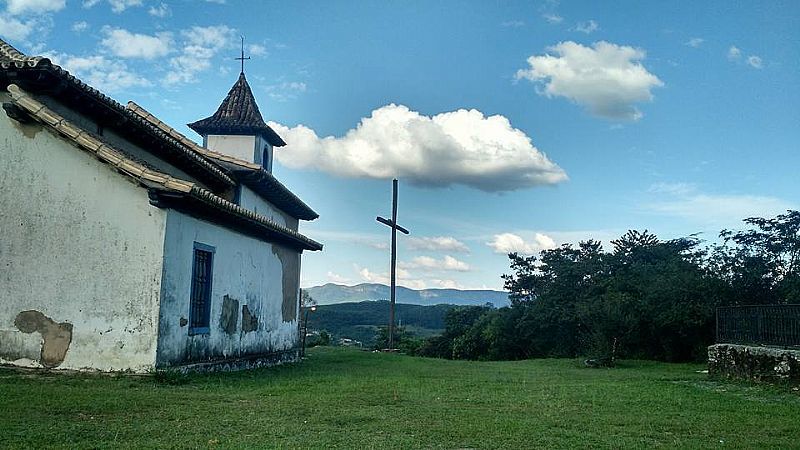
<point>761,265</point>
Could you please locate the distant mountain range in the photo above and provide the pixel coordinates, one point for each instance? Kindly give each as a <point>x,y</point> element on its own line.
<point>331,293</point>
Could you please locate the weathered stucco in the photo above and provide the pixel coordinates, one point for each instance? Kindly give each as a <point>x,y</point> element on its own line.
<point>81,257</point>
<point>252,201</point>
<point>290,261</point>
<point>247,297</point>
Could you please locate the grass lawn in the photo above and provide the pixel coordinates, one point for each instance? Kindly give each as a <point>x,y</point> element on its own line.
<point>351,399</point>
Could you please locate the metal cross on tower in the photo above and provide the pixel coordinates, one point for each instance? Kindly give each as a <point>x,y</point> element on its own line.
<point>242,58</point>
<point>395,228</point>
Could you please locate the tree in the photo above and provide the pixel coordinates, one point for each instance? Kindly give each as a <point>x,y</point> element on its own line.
<point>760,265</point>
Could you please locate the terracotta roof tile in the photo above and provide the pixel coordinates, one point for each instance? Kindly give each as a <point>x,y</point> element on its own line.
<point>238,114</point>
<point>10,58</point>
<point>159,183</point>
<point>249,173</point>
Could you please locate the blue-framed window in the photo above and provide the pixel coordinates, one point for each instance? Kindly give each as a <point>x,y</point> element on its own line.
<point>200,296</point>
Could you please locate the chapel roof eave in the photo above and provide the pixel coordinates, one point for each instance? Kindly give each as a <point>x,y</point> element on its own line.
<point>250,174</point>
<point>38,74</point>
<point>164,190</point>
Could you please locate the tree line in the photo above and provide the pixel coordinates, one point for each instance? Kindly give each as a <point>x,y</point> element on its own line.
<point>647,298</point>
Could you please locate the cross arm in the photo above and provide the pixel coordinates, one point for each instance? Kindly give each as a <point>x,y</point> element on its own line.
<point>391,224</point>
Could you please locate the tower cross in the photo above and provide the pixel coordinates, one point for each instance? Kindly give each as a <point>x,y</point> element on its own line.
<point>242,58</point>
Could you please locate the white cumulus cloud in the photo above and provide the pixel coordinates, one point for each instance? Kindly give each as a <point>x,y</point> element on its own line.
<point>512,243</point>
<point>607,79</point>
<point>460,147</point>
<point>734,53</point>
<point>123,43</point>
<point>438,243</point>
<point>34,6</point>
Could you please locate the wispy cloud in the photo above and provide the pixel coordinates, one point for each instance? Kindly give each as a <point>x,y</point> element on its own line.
<point>695,42</point>
<point>16,7</point>
<point>735,54</point>
<point>438,243</point>
<point>161,11</point>
<point>80,26</point>
<point>587,27</point>
<point>100,72</point>
<point>687,202</point>
<point>125,44</point>
<point>755,62</point>
<point>552,18</point>
<point>199,46</point>
<point>513,24</point>
<point>117,6</point>
<point>448,263</point>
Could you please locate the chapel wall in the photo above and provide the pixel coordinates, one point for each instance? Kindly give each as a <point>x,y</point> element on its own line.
<point>114,139</point>
<point>80,257</point>
<point>249,199</point>
<point>254,297</point>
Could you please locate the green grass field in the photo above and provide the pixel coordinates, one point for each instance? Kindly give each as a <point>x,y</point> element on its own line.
<point>350,399</point>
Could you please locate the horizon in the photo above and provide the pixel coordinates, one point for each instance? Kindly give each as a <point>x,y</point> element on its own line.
<point>513,127</point>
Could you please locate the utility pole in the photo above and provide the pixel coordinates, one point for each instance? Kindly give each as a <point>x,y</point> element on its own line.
<point>395,228</point>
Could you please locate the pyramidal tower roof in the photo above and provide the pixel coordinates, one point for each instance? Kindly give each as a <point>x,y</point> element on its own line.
<point>238,114</point>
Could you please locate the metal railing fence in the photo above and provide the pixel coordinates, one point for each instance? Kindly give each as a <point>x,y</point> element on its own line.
<point>771,325</point>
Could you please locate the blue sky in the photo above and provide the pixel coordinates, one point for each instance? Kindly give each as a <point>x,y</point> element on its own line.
<point>511,125</point>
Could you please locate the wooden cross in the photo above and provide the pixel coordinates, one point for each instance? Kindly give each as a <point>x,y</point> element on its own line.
<point>242,58</point>
<point>395,228</point>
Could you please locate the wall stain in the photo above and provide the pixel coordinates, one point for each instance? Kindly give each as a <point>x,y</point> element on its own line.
<point>183,322</point>
<point>290,262</point>
<point>229,318</point>
<point>56,337</point>
<point>249,320</point>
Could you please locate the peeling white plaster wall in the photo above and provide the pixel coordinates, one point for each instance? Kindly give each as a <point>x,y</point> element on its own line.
<point>81,244</point>
<point>251,200</point>
<point>245,269</point>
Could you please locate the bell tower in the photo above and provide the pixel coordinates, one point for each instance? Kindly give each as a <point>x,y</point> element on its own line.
<point>237,128</point>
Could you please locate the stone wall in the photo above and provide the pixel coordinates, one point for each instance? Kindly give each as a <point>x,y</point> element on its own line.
<point>754,363</point>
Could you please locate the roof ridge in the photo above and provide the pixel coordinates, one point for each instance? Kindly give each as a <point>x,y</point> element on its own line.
<point>180,137</point>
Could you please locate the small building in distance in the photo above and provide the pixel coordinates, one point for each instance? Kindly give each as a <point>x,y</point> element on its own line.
<point>127,246</point>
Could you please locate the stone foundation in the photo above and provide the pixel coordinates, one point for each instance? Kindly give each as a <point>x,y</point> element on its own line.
<point>754,363</point>
<point>235,364</point>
